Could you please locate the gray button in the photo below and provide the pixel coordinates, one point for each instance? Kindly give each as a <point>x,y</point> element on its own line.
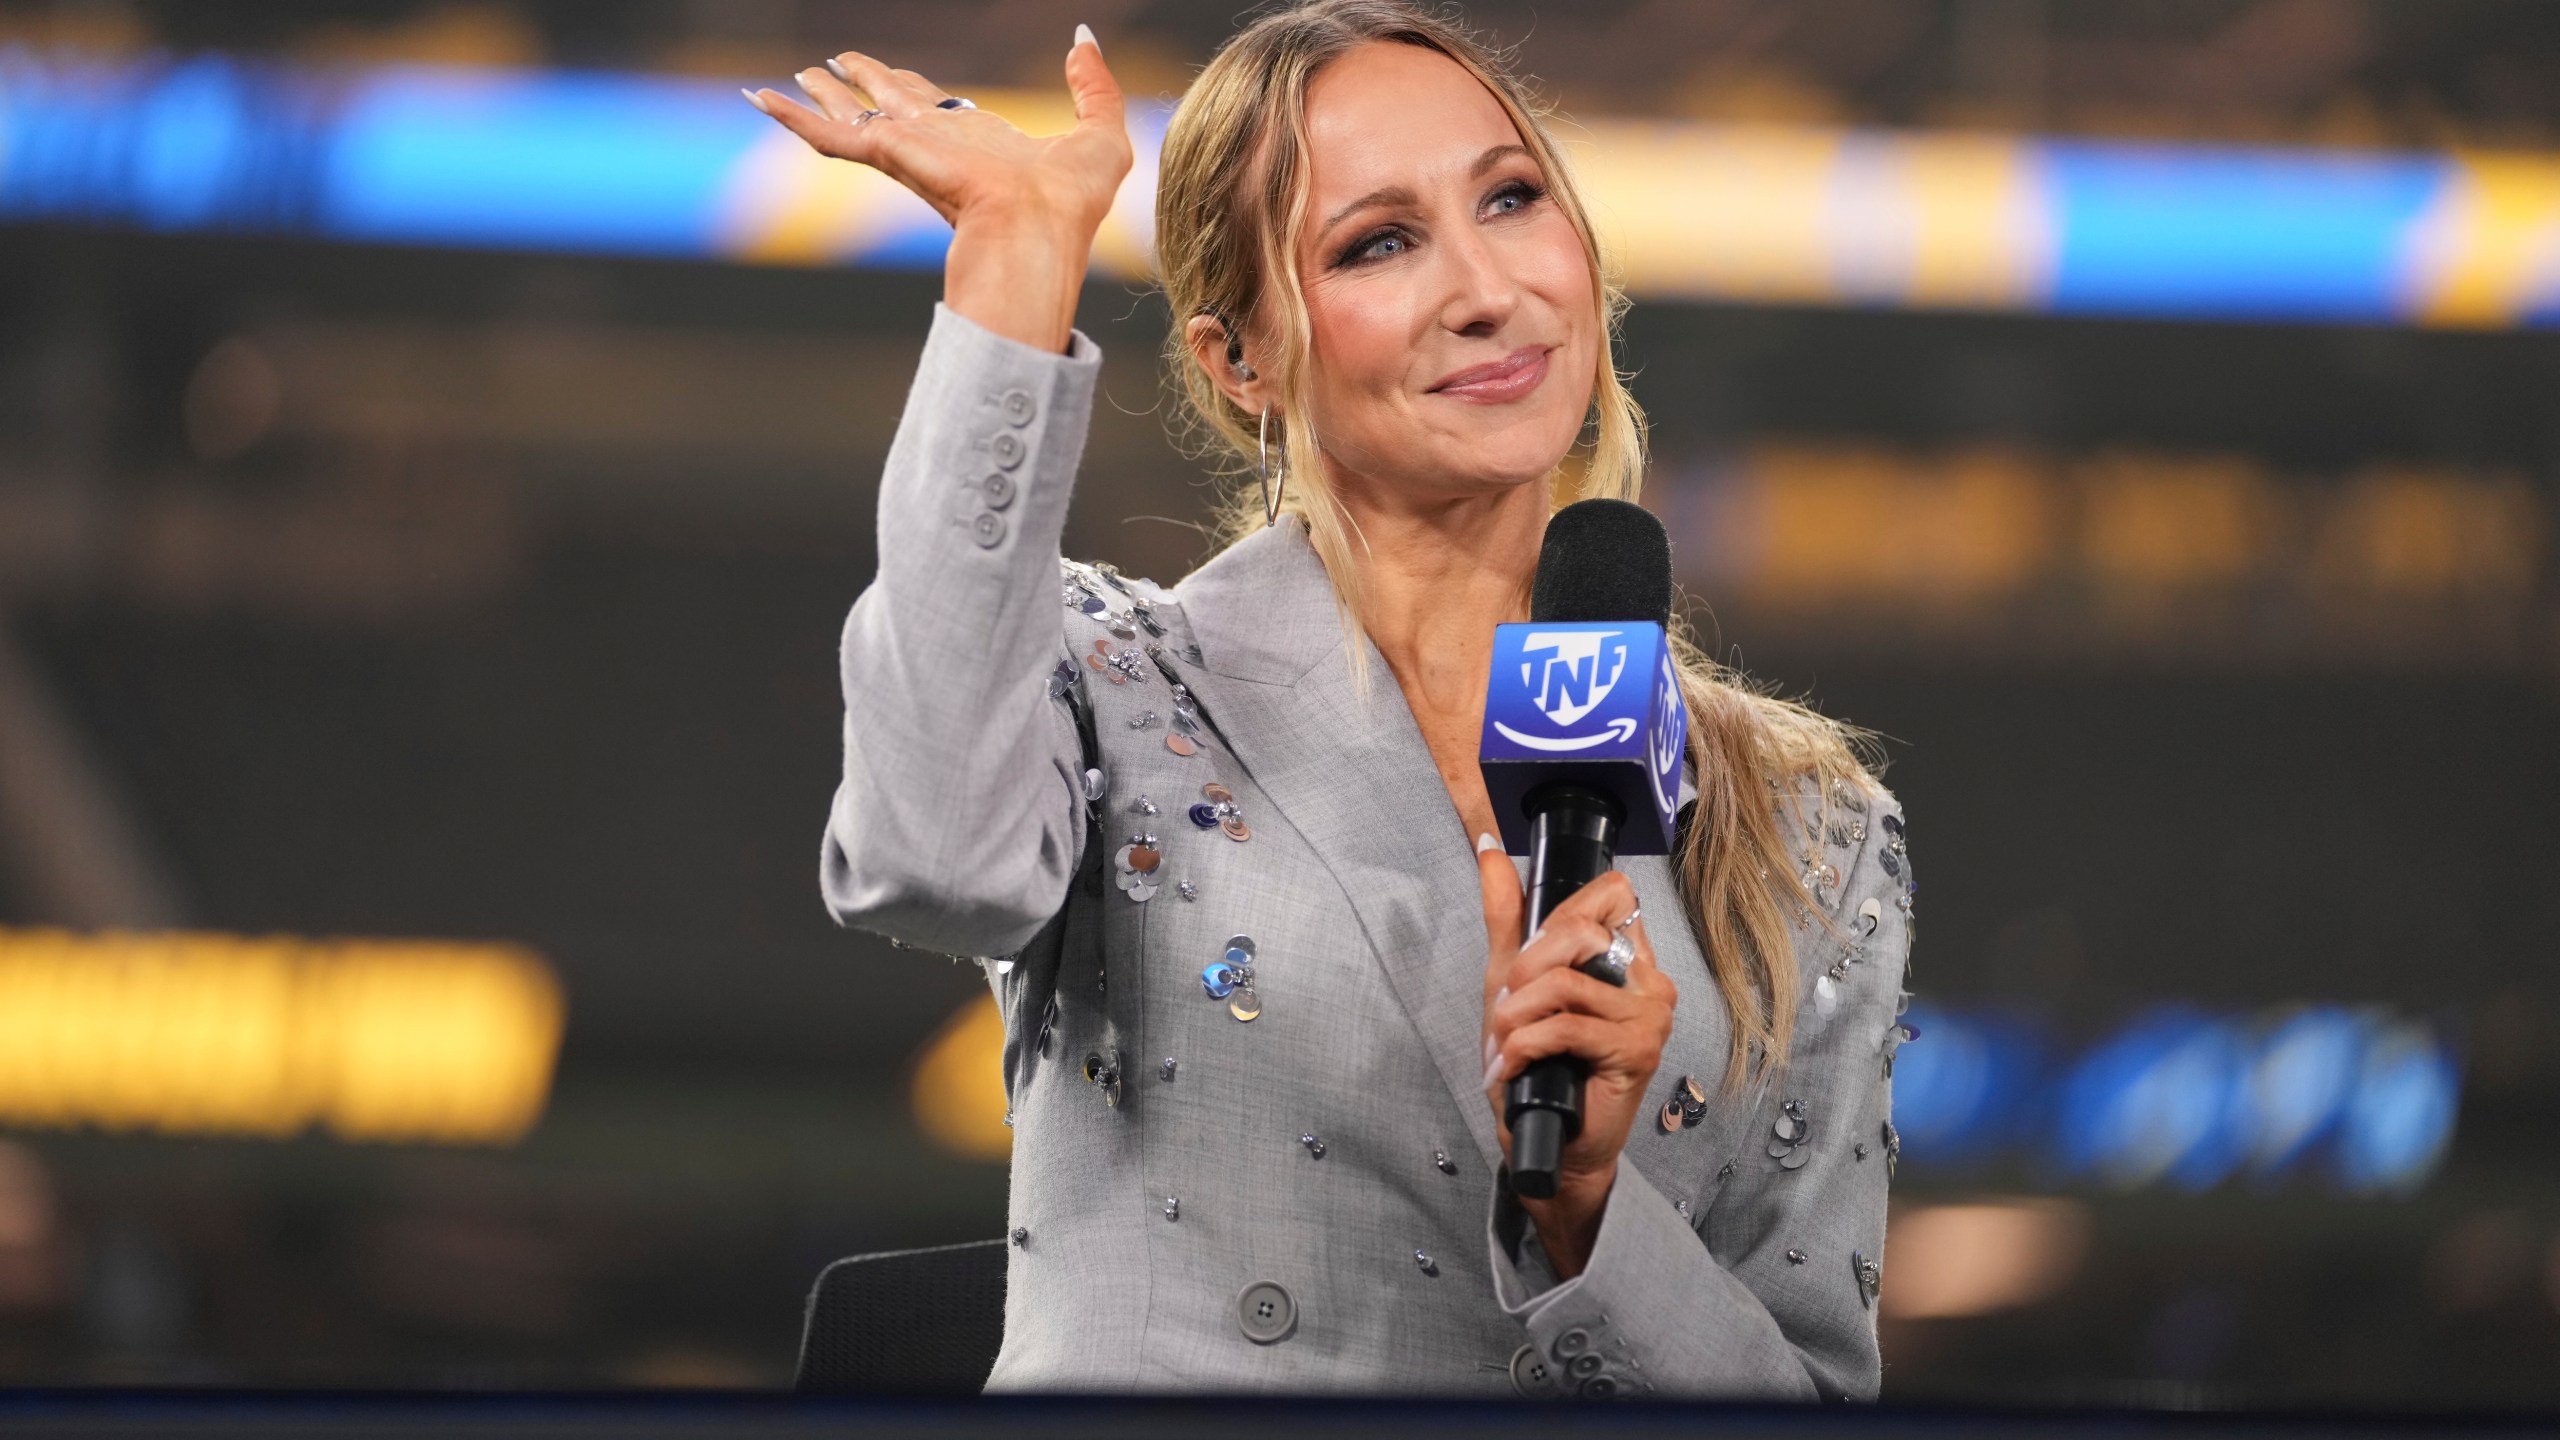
<point>1599,1387</point>
<point>1018,408</point>
<point>1529,1373</point>
<point>987,529</point>
<point>1583,1367</point>
<point>1266,1313</point>
<point>1572,1342</point>
<point>1009,449</point>
<point>998,489</point>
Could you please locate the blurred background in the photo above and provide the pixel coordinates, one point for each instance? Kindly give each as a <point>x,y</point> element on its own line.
<point>437,449</point>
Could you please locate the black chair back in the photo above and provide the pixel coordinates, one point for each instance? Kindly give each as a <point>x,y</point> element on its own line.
<point>905,1322</point>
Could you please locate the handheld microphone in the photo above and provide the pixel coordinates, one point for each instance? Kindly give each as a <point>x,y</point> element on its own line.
<point>1584,730</point>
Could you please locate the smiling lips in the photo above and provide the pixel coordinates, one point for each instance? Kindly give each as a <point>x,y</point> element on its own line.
<point>1508,378</point>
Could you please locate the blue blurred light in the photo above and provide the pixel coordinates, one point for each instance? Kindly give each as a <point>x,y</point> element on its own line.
<point>557,161</point>
<point>2164,1099</point>
<point>2400,1123</point>
<point>2185,1098</point>
<point>1941,1085</point>
<point>2261,234</point>
<point>186,146</point>
<point>2300,1084</point>
<point>1966,1086</point>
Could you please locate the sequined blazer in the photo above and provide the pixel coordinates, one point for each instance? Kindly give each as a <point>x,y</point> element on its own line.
<point>1241,969</point>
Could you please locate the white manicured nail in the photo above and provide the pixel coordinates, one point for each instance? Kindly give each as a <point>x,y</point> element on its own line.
<point>1485,841</point>
<point>755,99</point>
<point>1084,36</point>
<point>1492,1067</point>
<point>1501,995</point>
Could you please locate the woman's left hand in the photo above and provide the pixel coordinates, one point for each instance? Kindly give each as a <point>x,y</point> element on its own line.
<point>1537,1004</point>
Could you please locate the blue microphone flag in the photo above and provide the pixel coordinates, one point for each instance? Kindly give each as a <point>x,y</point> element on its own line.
<point>1592,703</point>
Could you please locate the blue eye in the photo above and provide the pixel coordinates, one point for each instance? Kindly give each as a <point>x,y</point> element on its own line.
<point>1385,244</point>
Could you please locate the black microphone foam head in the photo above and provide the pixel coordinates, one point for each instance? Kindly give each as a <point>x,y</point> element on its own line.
<point>1602,560</point>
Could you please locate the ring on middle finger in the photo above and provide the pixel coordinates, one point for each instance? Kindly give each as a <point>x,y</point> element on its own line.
<point>867,116</point>
<point>1632,917</point>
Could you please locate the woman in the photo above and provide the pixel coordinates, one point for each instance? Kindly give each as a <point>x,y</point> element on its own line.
<point>1255,1076</point>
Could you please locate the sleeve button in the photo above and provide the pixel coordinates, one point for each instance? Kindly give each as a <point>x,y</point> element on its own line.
<point>1599,1387</point>
<point>1584,1366</point>
<point>1018,408</point>
<point>1572,1342</point>
<point>1009,448</point>
<point>987,530</point>
<point>1529,1374</point>
<point>998,490</point>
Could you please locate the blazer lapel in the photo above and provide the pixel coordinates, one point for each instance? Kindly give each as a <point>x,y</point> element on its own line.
<point>1352,775</point>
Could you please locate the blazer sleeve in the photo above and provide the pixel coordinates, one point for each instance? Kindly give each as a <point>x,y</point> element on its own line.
<point>959,817</point>
<point>1773,1295</point>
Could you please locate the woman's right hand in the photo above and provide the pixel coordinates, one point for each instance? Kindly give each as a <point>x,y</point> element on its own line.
<point>1023,210</point>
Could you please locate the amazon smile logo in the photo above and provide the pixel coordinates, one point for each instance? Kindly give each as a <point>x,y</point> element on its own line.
<point>1619,730</point>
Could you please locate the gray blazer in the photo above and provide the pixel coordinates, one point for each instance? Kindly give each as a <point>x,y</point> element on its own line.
<point>1307,1200</point>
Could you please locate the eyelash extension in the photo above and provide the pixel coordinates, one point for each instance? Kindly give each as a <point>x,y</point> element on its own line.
<point>1529,191</point>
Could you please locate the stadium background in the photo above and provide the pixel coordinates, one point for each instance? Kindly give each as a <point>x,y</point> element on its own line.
<point>437,446</point>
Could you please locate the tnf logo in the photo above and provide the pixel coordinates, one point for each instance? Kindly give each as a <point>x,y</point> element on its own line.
<point>1577,671</point>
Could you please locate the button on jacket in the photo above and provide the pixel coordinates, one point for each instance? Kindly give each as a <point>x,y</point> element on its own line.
<point>1308,1200</point>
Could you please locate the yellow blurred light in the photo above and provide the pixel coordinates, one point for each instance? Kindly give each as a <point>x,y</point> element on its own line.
<point>1747,219</point>
<point>1796,524</point>
<point>2488,248</point>
<point>1955,1260</point>
<point>2149,521</point>
<point>2415,533</point>
<point>958,1089</point>
<point>225,1035</point>
<point>1973,525</point>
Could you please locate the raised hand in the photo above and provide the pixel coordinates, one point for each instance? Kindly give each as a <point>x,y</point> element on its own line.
<point>1023,210</point>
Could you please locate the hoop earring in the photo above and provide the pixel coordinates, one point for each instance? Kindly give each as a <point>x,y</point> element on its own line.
<point>1273,490</point>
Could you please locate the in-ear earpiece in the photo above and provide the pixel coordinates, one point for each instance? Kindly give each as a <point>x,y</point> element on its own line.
<point>1235,346</point>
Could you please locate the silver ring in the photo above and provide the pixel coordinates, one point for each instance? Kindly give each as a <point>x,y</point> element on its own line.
<point>1632,917</point>
<point>867,116</point>
<point>956,102</point>
<point>1611,964</point>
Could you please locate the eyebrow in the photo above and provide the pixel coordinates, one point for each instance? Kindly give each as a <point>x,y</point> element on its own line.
<point>1402,195</point>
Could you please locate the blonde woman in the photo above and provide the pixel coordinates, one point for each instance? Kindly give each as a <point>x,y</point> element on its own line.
<point>1260,978</point>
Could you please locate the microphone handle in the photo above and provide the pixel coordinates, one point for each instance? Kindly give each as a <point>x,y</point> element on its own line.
<point>1573,840</point>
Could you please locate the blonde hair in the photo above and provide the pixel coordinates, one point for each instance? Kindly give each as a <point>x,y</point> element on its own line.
<point>1219,234</point>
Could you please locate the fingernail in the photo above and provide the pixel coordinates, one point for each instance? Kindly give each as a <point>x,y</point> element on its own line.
<point>1492,1071</point>
<point>1501,995</point>
<point>755,99</point>
<point>1486,842</point>
<point>802,80</point>
<point>1084,36</point>
<point>835,67</point>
